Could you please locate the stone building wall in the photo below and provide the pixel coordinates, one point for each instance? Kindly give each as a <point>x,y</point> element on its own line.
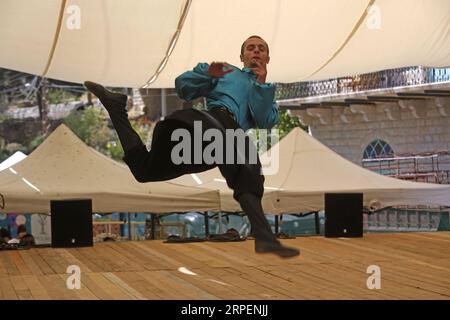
<point>410,126</point>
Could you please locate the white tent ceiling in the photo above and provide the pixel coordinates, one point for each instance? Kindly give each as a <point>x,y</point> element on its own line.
<point>308,170</point>
<point>123,42</point>
<point>63,167</point>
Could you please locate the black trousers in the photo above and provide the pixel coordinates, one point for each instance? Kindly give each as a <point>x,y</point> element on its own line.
<point>157,164</point>
<point>245,179</point>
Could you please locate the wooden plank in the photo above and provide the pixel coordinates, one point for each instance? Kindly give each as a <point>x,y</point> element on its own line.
<point>30,263</point>
<point>387,251</point>
<point>246,287</point>
<point>157,252</point>
<point>228,252</point>
<point>413,266</point>
<point>56,287</point>
<point>124,286</point>
<point>169,286</point>
<point>71,259</point>
<point>140,284</point>
<point>125,262</point>
<point>194,255</point>
<point>212,285</point>
<point>114,291</point>
<point>20,264</point>
<point>50,256</point>
<point>276,283</point>
<point>37,289</point>
<point>95,255</point>
<point>108,259</point>
<point>91,285</point>
<point>350,279</point>
<point>160,288</point>
<point>80,254</point>
<point>83,293</point>
<point>35,255</point>
<point>9,268</point>
<point>21,288</point>
<point>7,289</point>
<point>176,280</point>
<point>146,260</point>
<point>310,282</point>
<point>397,286</point>
<point>413,282</point>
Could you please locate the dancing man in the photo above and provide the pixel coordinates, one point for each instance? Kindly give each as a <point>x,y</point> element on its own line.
<point>237,99</point>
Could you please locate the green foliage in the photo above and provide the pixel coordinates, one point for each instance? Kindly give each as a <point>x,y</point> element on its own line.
<point>91,126</point>
<point>114,147</point>
<point>7,150</point>
<point>199,106</point>
<point>284,126</point>
<point>56,96</point>
<point>36,142</point>
<point>287,123</point>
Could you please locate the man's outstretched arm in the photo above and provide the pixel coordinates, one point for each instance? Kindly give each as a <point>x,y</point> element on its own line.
<point>200,81</point>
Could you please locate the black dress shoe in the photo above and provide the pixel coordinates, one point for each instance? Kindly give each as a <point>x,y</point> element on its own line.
<point>276,248</point>
<point>111,100</point>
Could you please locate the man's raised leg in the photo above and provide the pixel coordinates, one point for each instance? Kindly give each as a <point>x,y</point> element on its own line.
<point>115,104</point>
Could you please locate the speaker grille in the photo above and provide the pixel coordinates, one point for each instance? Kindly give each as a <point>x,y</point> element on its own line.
<point>71,223</point>
<point>343,215</point>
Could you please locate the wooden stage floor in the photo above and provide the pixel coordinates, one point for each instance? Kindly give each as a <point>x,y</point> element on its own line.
<point>413,266</point>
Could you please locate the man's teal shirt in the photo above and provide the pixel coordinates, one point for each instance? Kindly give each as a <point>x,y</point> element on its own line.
<point>251,102</point>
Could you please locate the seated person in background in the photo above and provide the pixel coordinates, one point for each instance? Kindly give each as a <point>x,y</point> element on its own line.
<point>25,239</point>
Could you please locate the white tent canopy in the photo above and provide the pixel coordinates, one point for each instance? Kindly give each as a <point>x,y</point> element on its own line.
<point>124,42</point>
<point>63,167</point>
<point>308,170</point>
<point>12,160</point>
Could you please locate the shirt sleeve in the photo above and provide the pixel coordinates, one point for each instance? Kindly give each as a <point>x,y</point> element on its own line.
<point>196,83</point>
<point>263,108</point>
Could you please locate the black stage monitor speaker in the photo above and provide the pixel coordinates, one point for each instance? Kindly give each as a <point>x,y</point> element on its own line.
<point>71,223</point>
<point>343,215</point>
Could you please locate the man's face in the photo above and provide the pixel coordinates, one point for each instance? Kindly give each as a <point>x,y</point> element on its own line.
<point>255,50</point>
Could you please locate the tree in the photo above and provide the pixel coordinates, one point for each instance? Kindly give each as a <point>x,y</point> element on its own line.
<point>285,125</point>
<point>114,147</point>
<point>91,126</point>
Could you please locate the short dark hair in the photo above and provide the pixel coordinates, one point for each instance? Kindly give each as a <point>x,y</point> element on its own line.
<point>254,36</point>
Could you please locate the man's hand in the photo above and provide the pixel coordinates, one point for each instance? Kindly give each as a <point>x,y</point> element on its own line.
<point>219,69</point>
<point>260,70</point>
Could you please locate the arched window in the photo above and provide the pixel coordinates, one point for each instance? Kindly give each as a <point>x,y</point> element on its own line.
<point>378,149</point>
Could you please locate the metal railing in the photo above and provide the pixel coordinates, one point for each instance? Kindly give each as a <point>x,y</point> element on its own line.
<point>391,78</point>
